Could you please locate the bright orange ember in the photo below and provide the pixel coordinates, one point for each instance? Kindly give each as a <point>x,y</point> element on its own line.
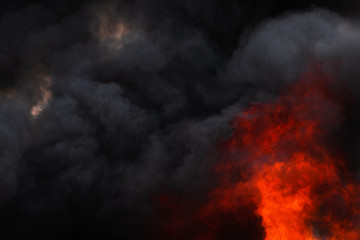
<point>283,167</point>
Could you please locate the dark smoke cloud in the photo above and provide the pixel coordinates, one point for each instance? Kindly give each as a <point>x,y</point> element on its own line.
<point>134,116</point>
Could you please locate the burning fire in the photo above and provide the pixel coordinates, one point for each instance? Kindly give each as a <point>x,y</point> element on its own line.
<point>282,177</point>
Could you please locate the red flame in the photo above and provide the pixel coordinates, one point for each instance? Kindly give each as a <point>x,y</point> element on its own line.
<point>283,176</point>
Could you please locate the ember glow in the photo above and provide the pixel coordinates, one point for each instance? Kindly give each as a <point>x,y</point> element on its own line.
<point>282,167</point>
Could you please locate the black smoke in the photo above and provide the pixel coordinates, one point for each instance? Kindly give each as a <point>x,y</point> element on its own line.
<point>143,113</point>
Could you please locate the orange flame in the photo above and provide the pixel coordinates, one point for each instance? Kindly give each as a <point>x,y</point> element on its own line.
<point>282,165</point>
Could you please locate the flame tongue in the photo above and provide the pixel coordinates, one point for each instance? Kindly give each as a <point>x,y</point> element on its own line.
<point>300,180</point>
<point>282,170</point>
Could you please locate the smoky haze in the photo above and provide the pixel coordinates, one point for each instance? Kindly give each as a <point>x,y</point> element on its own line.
<point>105,104</point>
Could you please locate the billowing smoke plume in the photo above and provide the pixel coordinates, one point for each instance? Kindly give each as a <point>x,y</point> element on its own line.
<point>106,104</point>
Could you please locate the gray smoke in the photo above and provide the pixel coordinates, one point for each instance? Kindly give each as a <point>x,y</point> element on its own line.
<point>141,113</point>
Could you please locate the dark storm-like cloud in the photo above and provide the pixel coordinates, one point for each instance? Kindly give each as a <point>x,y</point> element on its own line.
<point>14,138</point>
<point>139,114</point>
<point>280,49</point>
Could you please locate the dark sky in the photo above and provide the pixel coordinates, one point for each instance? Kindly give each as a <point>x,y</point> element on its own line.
<point>136,95</point>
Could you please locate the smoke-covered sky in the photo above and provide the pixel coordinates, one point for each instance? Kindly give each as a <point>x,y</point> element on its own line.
<point>105,104</point>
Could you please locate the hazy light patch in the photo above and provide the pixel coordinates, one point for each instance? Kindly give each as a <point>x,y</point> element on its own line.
<point>349,31</point>
<point>36,97</point>
<point>109,29</point>
<point>8,94</point>
<point>45,95</point>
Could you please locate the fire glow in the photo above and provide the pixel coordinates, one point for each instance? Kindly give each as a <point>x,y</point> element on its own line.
<point>281,169</point>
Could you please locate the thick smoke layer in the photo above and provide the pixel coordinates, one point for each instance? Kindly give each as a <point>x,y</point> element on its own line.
<point>132,99</point>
